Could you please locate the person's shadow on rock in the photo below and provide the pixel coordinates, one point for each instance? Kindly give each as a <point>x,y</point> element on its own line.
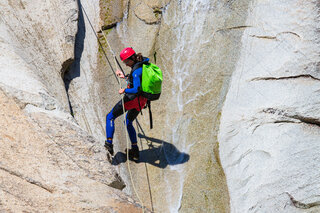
<point>159,153</point>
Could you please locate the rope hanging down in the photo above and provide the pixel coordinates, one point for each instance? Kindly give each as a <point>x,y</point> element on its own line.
<point>124,118</point>
<point>125,124</point>
<point>104,53</point>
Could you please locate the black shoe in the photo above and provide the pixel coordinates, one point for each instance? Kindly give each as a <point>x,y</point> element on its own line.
<point>109,147</point>
<point>133,153</point>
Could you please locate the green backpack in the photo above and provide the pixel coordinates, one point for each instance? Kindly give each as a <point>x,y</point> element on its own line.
<point>151,81</point>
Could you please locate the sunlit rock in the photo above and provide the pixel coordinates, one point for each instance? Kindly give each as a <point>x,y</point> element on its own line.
<point>269,130</point>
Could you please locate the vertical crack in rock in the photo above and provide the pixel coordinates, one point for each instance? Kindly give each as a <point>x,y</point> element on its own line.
<point>73,70</point>
<point>128,8</point>
<point>65,72</point>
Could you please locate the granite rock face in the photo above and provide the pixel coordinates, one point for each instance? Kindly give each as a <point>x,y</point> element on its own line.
<point>235,129</point>
<point>36,47</point>
<point>180,168</point>
<point>48,162</point>
<point>251,65</point>
<point>269,132</point>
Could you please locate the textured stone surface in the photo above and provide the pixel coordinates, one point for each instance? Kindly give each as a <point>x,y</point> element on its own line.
<point>111,11</point>
<point>34,45</point>
<point>269,124</point>
<point>48,162</point>
<point>50,165</point>
<point>180,170</point>
<point>140,27</point>
<point>146,14</point>
<point>85,83</point>
<point>157,3</point>
<point>269,132</point>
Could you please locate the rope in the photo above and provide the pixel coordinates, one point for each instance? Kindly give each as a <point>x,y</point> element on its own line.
<point>145,164</point>
<point>125,123</point>
<point>124,117</point>
<point>105,55</point>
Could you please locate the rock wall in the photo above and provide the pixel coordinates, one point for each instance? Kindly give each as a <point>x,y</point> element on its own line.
<point>48,162</point>
<point>235,129</point>
<point>269,132</point>
<point>35,50</point>
<point>179,169</point>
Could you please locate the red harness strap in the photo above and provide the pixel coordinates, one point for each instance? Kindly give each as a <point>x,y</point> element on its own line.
<point>134,104</point>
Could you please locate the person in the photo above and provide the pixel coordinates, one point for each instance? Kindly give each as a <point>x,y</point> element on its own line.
<point>133,101</point>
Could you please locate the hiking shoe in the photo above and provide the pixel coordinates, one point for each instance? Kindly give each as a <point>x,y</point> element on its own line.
<point>133,153</point>
<point>109,147</point>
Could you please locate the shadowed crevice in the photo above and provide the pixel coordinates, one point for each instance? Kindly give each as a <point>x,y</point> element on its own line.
<point>73,69</point>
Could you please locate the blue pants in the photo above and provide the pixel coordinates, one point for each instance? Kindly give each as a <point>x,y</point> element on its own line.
<point>116,111</point>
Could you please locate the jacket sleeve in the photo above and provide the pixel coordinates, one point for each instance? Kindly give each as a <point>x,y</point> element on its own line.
<point>136,82</point>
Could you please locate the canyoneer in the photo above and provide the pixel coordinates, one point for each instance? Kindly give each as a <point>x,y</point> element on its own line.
<point>143,85</point>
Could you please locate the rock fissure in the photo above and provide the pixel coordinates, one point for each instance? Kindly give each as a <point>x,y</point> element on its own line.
<point>284,114</point>
<point>108,27</point>
<point>307,120</point>
<point>301,205</point>
<point>285,78</point>
<point>284,121</point>
<point>28,179</point>
<point>128,9</point>
<point>67,78</point>
<point>148,22</point>
<point>233,28</point>
<point>264,37</point>
<point>293,33</point>
<point>275,37</point>
<point>66,66</point>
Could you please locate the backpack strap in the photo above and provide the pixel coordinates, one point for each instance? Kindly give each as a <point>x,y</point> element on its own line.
<point>139,104</point>
<point>150,114</point>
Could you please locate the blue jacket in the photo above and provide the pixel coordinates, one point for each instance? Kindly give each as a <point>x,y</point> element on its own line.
<point>136,75</point>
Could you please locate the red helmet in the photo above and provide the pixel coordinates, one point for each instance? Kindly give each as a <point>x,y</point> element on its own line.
<point>126,53</point>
